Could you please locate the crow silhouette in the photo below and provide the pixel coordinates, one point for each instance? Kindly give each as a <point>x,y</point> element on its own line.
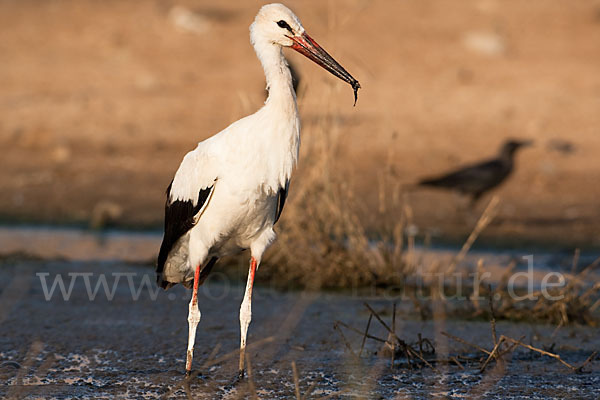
<point>476,179</point>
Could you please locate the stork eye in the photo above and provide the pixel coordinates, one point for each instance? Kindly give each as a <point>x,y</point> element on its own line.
<point>285,25</point>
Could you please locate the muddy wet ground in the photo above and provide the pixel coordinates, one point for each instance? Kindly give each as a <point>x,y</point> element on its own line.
<point>133,345</point>
<point>98,112</point>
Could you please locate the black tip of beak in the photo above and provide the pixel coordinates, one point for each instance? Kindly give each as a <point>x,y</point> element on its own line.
<point>355,87</point>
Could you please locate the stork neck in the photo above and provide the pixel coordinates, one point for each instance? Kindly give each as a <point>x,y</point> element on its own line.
<point>277,73</point>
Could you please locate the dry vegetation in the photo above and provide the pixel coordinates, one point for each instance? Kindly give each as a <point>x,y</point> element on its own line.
<point>323,243</point>
<point>422,353</point>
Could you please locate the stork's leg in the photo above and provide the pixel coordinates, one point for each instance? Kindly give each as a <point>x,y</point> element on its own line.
<point>246,314</point>
<point>193,320</point>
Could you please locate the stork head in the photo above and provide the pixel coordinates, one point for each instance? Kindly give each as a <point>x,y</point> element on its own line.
<point>277,24</point>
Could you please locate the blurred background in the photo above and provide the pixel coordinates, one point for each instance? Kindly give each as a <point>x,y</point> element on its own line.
<point>101,100</point>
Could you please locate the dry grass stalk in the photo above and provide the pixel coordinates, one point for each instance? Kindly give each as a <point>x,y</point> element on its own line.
<point>510,348</point>
<point>393,333</point>
<point>233,353</point>
<point>493,316</point>
<point>19,390</point>
<point>362,345</point>
<point>323,241</point>
<point>348,346</point>
<point>493,353</point>
<point>475,297</point>
<point>381,321</point>
<point>553,355</point>
<point>309,390</point>
<point>188,389</point>
<point>394,343</point>
<point>335,394</point>
<point>213,353</point>
<point>296,380</point>
<point>488,215</point>
<point>367,335</point>
<point>251,385</point>
<point>458,363</point>
<point>473,345</point>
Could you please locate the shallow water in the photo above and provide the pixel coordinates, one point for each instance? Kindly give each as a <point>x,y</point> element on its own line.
<point>130,343</point>
<point>142,246</point>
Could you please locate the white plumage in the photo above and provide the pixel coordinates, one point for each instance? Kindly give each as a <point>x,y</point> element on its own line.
<point>228,193</point>
<point>247,164</point>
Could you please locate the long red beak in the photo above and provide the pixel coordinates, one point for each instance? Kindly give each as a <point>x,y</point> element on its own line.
<point>305,45</point>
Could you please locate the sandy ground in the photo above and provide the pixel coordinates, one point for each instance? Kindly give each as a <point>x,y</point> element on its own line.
<point>100,100</point>
<point>133,345</point>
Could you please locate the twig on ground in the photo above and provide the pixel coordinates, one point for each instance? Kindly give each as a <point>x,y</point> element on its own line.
<point>393,344</point>
<point>587,361</point>
<point>417,355</point>
<point>335,394</point>
<point>510,348</point>
<point>362,345</point>
<point>360,332</point>
<point>188,389</point>
<point>465,342</point>
<point>296,380</point>
<point>213,354</point>
<point>455,360</point>
<point>373,312</point>
<point>236,352</point>
<point>493,315</point>
<point>309,390</point>
<point>553,355</point>
<point>251,385</point>
<point>337,328</point>
<point>492,354</point>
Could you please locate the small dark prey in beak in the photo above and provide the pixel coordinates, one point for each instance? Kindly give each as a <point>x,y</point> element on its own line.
<point>305,45</point>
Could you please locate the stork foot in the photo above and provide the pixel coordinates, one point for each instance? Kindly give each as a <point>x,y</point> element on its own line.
<point>237,379</point>
<point>193,374</point>
<point>241,375</point>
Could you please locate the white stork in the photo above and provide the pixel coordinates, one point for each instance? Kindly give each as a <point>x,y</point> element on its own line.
<point>229,192</point>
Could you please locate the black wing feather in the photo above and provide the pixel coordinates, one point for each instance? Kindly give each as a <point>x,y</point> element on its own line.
<point>179,219</point>
<point>281,197</point>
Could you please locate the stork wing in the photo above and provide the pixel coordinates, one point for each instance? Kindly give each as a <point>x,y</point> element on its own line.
<point>281,197</point>
<point>187,196</point>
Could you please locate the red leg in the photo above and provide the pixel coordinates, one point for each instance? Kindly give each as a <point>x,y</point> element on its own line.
<point>246,314</point>
<point>193,320</point>
<point>196,282</point>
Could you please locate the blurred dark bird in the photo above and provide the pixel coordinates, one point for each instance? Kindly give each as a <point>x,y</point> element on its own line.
<point>476,179</point>
<point>561,146</point>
